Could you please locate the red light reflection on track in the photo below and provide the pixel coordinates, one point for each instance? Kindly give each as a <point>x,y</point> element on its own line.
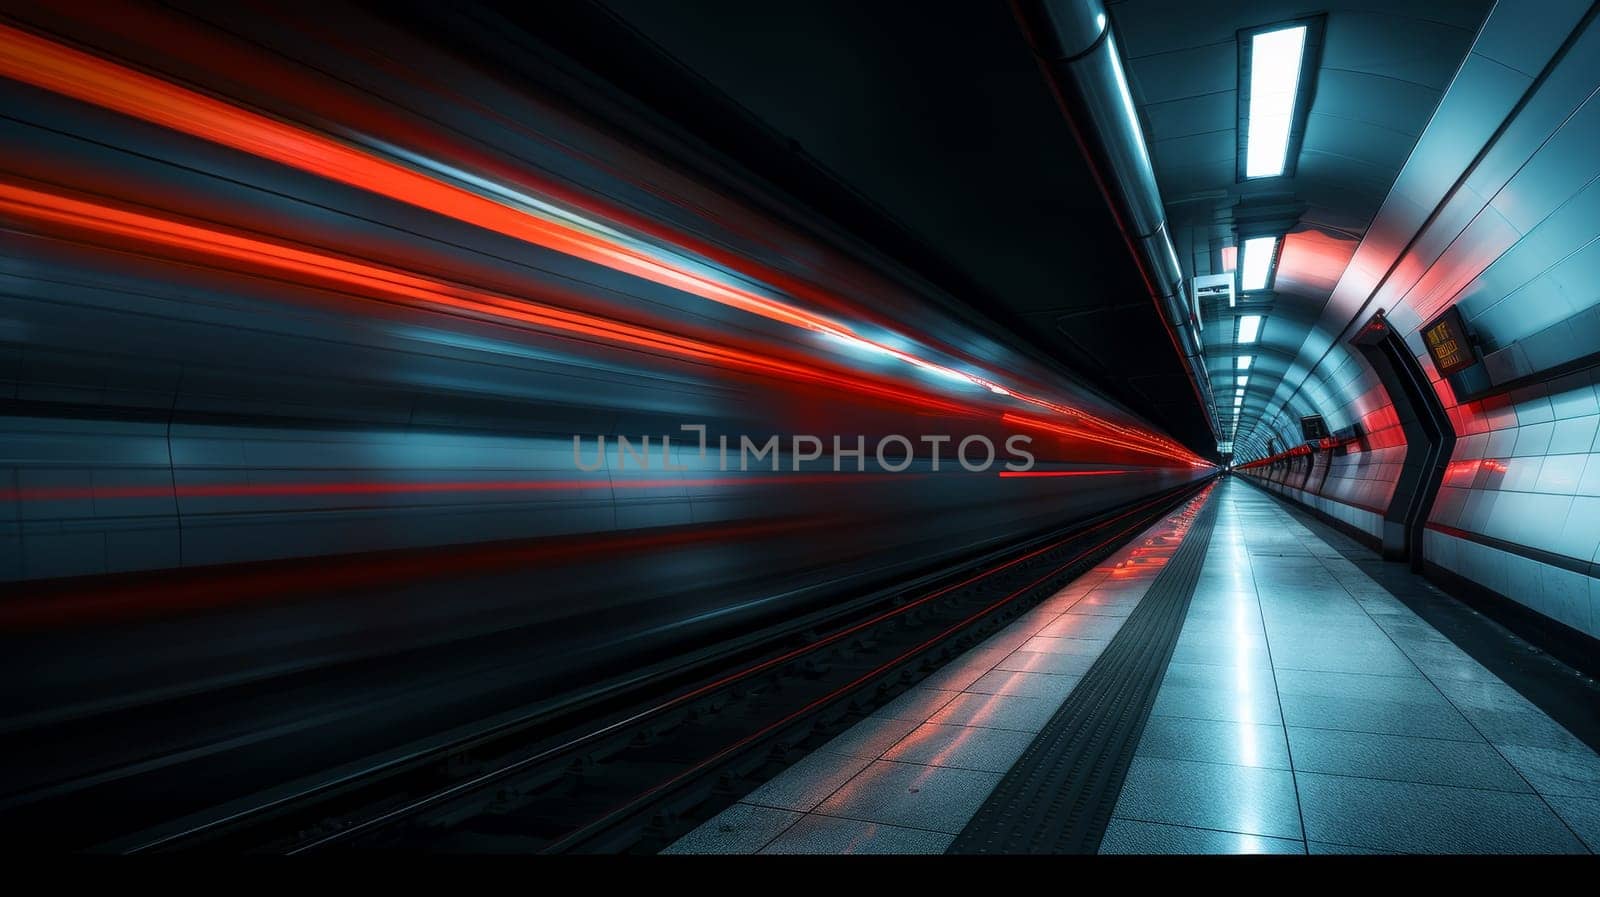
<point>1190,509</point>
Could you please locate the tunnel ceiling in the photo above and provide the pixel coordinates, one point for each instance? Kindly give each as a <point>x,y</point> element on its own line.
<point>1382,70</point>
<point>942,122</point>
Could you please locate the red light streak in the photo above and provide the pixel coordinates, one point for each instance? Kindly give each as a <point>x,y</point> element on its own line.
<point>35,60</point>
<point>108,599</point>
<point>1457,470</point>
<point>1121,437</point>
<point>43,63</point>
<point>389,284</point>
<point>244,490</point>
<point>1008,474</point>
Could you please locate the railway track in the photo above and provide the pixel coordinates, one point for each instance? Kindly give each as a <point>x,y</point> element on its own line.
<point>630,764</point>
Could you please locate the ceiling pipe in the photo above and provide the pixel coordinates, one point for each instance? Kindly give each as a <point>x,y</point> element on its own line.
<point>1073,41</point>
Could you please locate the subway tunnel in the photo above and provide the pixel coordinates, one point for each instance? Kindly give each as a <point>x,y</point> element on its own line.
<point>705,427</point>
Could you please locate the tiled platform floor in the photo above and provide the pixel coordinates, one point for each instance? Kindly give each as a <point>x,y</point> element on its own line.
<point>1308,709</point>
<point>908,779</point>
<point>1305,709</point>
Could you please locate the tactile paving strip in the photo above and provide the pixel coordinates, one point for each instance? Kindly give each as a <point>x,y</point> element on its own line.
<point>1059,796</point>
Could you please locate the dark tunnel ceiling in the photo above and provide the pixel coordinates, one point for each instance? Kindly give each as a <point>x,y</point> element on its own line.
<point>1381,70</point>
<point>939,117</point>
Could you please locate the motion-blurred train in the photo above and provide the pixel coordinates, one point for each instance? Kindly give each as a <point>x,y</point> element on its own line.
<point>300,322</point>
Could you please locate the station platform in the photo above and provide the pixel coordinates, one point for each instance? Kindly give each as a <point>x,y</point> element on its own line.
<point>1229,682</point>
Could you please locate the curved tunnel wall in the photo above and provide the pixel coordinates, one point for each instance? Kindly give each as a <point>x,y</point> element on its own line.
<point>1515,247</point>
<point>1364,458</point>
<point>1360,465</point>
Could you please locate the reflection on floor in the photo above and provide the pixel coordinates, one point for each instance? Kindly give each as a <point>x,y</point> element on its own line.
<point>1305,709</point>
<point>909,779</point>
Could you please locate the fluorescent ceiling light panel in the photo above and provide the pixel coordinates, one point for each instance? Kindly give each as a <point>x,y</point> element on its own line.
<point>1258,253</point>
<point>1243,362</point>
<point>1243,379</point>
<point>1274,81</point>
<point>1249,328</point>
<point>1237,401</point>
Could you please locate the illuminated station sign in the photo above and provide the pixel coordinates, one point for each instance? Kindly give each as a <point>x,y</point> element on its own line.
<point>1313,428</point>
<point>1446,339</point>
